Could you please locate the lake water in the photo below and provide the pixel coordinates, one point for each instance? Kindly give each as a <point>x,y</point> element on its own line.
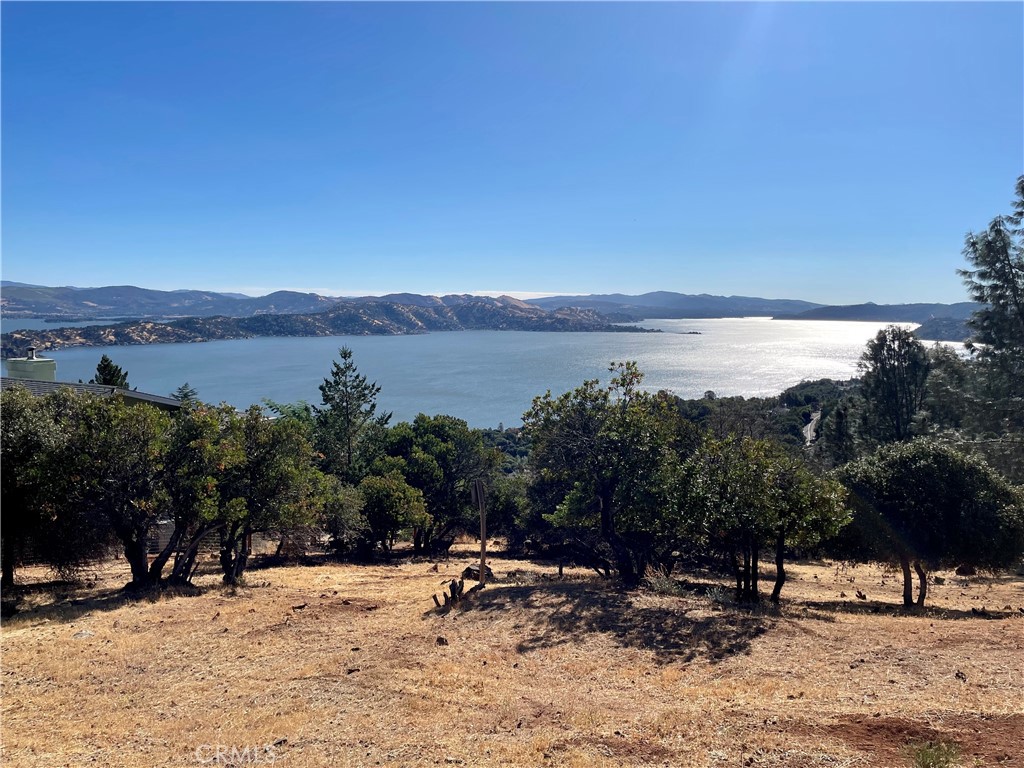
<point>491,377</point>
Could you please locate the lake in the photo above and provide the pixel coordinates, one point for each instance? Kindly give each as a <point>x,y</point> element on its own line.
<point>491,377</point>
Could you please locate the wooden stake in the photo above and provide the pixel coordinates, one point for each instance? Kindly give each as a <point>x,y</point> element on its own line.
<point>480,496</point>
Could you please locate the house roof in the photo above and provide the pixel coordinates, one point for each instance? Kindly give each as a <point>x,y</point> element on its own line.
<point>41,388</point>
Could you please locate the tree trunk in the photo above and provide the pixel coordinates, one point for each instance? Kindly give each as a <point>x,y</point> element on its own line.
<point>745,584</point>
<point>623,557</point>
<point>228,547</point>
<point>908,581</point>
<point>739,575</point>
<point>922,579</point>
<point>624,562</point>
<point>755,590</point>
<point>157,566</point>
<point>138,558</point>
<point>7,564</point>
<point>780,569</point>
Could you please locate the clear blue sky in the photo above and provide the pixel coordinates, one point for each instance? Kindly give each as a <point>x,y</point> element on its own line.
<point>831,152</point>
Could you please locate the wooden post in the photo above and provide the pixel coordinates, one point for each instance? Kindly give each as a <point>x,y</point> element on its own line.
<point>480,497</point>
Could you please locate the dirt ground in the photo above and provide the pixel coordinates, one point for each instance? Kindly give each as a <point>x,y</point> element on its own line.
<point>342,665</point>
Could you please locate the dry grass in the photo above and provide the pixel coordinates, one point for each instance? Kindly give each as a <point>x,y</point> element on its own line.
<point>536,671</point>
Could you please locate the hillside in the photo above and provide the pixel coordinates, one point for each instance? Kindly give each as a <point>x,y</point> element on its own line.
<point>347,319</point>
<point>891,313</point>
<point>349,665</point>
<point>943,329</point>
<point>19,300</point>
<point>667,304</point>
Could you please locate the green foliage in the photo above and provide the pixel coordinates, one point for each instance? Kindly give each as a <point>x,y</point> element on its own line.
<point>185,393</point>
<point>930,505</point>
<point>109,469</point>
<point>745,494</point>
<point>993,421</point>
<point>815,393</point>
<point>341,513</point>
<point>895,370</point>
<point>507,508</point>
<point>934,754</point>
<point>603,462</point>
<point>440,456</point>
<point>781,419</point>
<point>29,438</point>
<point>390,505</point>
<point>270,489</point>
<point>348,411</point>
<point>199,452</point>
<point>110,374</point>
<point>997,281</point>
<point>513,445</point>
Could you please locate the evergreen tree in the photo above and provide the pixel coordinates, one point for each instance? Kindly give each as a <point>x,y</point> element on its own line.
<point>996,280</point>
<point>895,368</point>
<point>349,409</point>
<point>185,393</point>
<point>110,374</point>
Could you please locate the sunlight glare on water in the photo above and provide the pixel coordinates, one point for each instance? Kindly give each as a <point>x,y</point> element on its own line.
<point>487,377</point>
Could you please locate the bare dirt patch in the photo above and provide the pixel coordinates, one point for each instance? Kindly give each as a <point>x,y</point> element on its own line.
<point>989,740</point>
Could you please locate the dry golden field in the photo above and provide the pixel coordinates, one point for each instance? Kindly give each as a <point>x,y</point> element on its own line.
<point>341,665</point>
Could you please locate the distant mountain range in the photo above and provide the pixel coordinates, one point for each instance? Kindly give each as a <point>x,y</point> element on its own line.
<point>666,304</point>
<point>355,318</point>
<point>72,303</point>
<point>68,303</point>
<point>291,313</point>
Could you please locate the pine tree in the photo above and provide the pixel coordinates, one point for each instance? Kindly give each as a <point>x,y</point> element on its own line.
<point>349,408</point>
<point>110,374</point>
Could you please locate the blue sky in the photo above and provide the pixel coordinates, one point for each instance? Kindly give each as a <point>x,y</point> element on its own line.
<point>835,152</point>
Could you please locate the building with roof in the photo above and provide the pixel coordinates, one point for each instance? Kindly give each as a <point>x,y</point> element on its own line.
<point>39,376</point>
<point>129,396</point>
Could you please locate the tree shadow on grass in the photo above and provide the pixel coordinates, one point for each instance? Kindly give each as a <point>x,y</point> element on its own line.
<point>897,609</point>
<point>572,612</point>
<point>67,608</point>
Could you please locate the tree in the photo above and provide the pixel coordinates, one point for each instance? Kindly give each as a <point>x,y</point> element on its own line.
<point>270,489</point>
<point>199,452</point>
<point>895,372</point>
<point>341,514</point>
<point>744,495</point>
<point>349,408</point>
<point>109,470</point>
<point>925,505</point>
<point>28,437</point>
<point>997,282</point>
<point>110,374</point>
<point>441,456</point>
<point>602,462</point>
<point>185,393</point>
<point>390,505</point>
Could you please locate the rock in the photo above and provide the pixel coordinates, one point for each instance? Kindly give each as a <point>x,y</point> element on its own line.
<point>473,572</point>
<point>83,633</point>
<point>441,640</point>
